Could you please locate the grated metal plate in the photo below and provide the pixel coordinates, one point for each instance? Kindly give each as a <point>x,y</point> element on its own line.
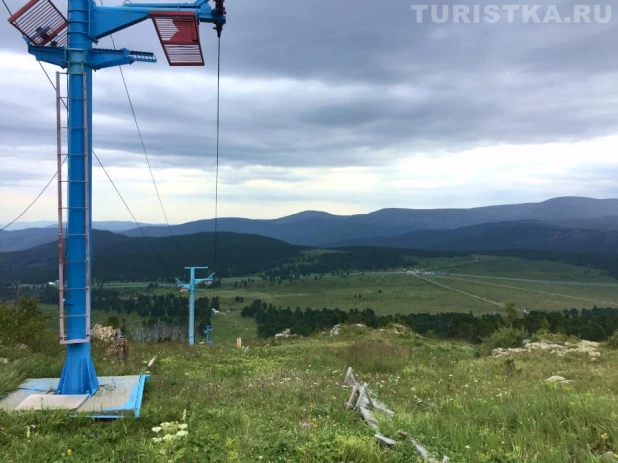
<point>178,33</point>
<point>42,23</point>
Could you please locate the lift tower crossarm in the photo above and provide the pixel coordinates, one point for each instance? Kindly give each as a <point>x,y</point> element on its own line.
<point>110,19</point>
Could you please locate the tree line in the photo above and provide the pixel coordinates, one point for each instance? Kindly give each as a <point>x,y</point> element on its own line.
<point>170,308</point>
<point>596,324</point>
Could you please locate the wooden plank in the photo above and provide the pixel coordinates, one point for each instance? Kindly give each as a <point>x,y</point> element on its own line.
<point>422,451</point>
<point>385,440</point>
<point>382,407</point>
<point>350,379</point>
<point>349,403</point>
<point>377,404</point>
<point>369,418</point>
<point>363,401</point>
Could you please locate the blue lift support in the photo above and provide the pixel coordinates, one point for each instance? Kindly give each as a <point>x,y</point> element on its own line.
<point>191,288</point>
<point>208,333</point>
<point>68,43</point>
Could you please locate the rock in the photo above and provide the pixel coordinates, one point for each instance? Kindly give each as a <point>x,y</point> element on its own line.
<point>584,347</point>
<point>400,328</point>
<point>105,333</point>
<point>590,344</point>
<point>287,333</point>
<point>557,379</point>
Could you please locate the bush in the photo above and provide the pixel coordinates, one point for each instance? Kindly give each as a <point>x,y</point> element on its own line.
<point>504,337</point>
<point>25,324</point>
<point>613,340</point>
<point>554,338</point>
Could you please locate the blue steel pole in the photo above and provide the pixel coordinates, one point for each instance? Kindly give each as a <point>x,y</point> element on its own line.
<point>192,309</point>
<point>78,374</point>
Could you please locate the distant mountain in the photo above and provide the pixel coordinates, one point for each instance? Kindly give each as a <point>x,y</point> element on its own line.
<point>313,228</point>
<point>24,238</point>
<point>118,257</point>
<point>119,226</point>
<point>35,224</point>
<point>520,235</point>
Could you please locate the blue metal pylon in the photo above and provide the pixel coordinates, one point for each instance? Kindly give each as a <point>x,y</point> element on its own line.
<point>191,288</point>
<point>68,43</point>
<point>208,333</point>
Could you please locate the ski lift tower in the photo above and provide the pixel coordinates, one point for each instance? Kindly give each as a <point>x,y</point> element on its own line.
<point>67,42</point>
<point>191,288</point>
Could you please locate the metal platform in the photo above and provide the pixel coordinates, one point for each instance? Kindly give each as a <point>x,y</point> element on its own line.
<point>117,397</point>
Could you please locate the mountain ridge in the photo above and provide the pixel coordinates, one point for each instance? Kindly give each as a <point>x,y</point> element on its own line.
<point>318,228</point>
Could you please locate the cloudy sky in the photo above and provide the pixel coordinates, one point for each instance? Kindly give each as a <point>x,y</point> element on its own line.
<point>342,106</point>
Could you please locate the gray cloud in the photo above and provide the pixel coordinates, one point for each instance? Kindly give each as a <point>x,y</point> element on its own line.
<point>328,84</point>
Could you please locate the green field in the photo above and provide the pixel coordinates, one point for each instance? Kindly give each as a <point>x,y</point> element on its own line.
<point>283,402</point>
<point>394,292</point>
<point>517,268</point>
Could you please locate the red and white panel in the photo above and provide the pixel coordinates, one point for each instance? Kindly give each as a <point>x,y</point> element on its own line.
<point>179,35</point>
<point>42,23</point>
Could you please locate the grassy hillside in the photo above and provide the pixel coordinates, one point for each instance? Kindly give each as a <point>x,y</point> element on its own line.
<point>117,257</point>
<point>520,268</point>
<point>537,235</point>
<point>283,401</point>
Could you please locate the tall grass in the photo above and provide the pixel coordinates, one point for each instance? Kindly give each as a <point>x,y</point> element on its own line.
<point>285,403</point>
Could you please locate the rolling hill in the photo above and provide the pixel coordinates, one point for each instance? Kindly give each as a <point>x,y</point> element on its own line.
<point>16,238</point>
<point>118,257</point>
<point>522,235</point>
<point>314,228</point>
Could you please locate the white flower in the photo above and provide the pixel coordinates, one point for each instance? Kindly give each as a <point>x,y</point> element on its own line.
<point>157,429</point>
<point>182,433</point>
<point>183,426</point>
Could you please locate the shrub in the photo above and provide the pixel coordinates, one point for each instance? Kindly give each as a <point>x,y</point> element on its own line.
<point>113,321</point>
<point>554,338</point>
<point>613,340</point>
<point>25,324</point>
<point>504,337</point>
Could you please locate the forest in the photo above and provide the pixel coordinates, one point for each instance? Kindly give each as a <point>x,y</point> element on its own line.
<point>596,324</point>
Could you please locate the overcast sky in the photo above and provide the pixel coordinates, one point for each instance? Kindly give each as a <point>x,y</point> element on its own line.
<point>342,106</point>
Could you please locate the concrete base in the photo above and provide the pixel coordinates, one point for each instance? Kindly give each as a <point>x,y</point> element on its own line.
<point>117,397</point>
